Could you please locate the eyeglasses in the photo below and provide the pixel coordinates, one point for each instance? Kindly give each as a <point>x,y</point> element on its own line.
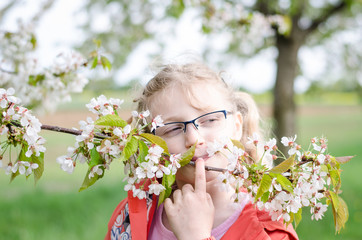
<point>212,121</point>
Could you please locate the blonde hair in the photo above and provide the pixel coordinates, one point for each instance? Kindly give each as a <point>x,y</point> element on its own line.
<point>188,74</point>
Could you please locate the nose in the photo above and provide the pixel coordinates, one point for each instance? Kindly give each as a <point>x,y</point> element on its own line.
<point>192,136</point>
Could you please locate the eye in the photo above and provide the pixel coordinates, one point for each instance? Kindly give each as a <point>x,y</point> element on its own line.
<point>172,130</point>
<point>209,121</point>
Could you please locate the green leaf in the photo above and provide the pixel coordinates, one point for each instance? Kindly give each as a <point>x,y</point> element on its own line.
<point>97,42</point>
<point>341,215</point>
<point>284,182</point>
<point>264,186</point>
<point>265,197</point>
<point>187,156</point>
<point>111,120</point>
<point>344,159</point>
<point>130,148</point>
<point>238,144</point>
<point>38,172</point>
<point>283,166</point>
<point>176,9</point>
<point>106,63</point>
<point>334,199</point>
<point>206,29</point>
<point>95,62</point>
<point>33,41</point>
<point>34,79</point>
<point>87,182</point>
<point>95,158</point>
<point>156,140</point>
<point>167,182</point>
<point>297,217</point>
<point>335,177</point>
<point>143,151</point>
<point>14,175</point>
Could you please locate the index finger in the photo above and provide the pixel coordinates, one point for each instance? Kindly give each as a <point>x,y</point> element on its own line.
<point>200,178</point>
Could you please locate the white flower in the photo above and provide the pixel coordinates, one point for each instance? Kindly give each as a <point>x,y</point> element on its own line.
<point>254,139</point>
<point>146,169</point>
<point>31,168</point>
<point>109,148</point>
<point>275,186</point>
<point>286,217</point>
<point>318,148</point>
<point>294,150</point>
<point>66,163</point>
<point>239,196</point>
<point>294,205</point>
<point>156,188</point>
<point>102,106</point>
<point>154,153</point>
<point>20,166</point>
<point>3,130</point>
<point>321,158</point>
<point>141,115</point>
<point>96,170</point>
<point>288,141</point>
<point>157,122</point>
<point>175,163</point>
<point>139,193</point>
<point>270,145</point>
<point>214,147</point>
<point>122,134</point>
<point>318,211</point>
<point>115,102</point>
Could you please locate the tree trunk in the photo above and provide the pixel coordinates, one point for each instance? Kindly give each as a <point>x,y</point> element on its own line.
<point>287,67</point>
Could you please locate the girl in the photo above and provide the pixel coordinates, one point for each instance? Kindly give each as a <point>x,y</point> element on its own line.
<point>197,107</point>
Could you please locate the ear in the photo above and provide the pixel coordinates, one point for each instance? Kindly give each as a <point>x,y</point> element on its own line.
<point>238,131</point>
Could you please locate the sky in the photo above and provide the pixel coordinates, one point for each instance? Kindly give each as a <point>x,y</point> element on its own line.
<point>57,31</point>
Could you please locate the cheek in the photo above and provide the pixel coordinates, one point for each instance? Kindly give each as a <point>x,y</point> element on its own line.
<point>174,148</point>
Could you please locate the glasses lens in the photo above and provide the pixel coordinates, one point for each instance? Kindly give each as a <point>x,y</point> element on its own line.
<point>213,121</point>
<point>170,130</point>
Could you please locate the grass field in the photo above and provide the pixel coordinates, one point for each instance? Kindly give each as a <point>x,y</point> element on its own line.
<point>53,209</point>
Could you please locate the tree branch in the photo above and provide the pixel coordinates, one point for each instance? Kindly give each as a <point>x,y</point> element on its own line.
<point>63,130</point>
<point>207,168</point>
<point>264,8</point>
<point>70,131</point>
<point>327,14</point>
<point>6,71</point>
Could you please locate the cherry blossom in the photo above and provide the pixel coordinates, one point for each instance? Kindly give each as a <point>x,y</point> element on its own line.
<point>96,170</point>
<point>156,122</point>
<point>142,115</point>
<point>122,134</point>
<point>254,139</point>
<point>156,188</point>
<point>154,153</point>
<point>66,163</point>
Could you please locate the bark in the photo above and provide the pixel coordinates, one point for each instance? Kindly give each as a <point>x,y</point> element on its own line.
<point>284,108</point>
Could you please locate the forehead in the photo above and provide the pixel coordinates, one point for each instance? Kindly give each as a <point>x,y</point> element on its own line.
<point>179,102</point>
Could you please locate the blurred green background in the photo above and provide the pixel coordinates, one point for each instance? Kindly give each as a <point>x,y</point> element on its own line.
<point>54,209</point>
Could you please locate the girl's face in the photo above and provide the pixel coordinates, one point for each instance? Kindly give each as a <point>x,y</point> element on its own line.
<point>174,105</point>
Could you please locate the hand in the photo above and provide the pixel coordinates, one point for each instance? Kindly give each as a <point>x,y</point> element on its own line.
<point>191,213</point>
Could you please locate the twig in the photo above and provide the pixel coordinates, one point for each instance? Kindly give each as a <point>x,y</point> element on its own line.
<point>7,71</point>
<point>207,168</point>
<point>63,130</point>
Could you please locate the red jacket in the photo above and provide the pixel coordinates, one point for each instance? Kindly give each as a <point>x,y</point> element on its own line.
<point>251,224</point>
